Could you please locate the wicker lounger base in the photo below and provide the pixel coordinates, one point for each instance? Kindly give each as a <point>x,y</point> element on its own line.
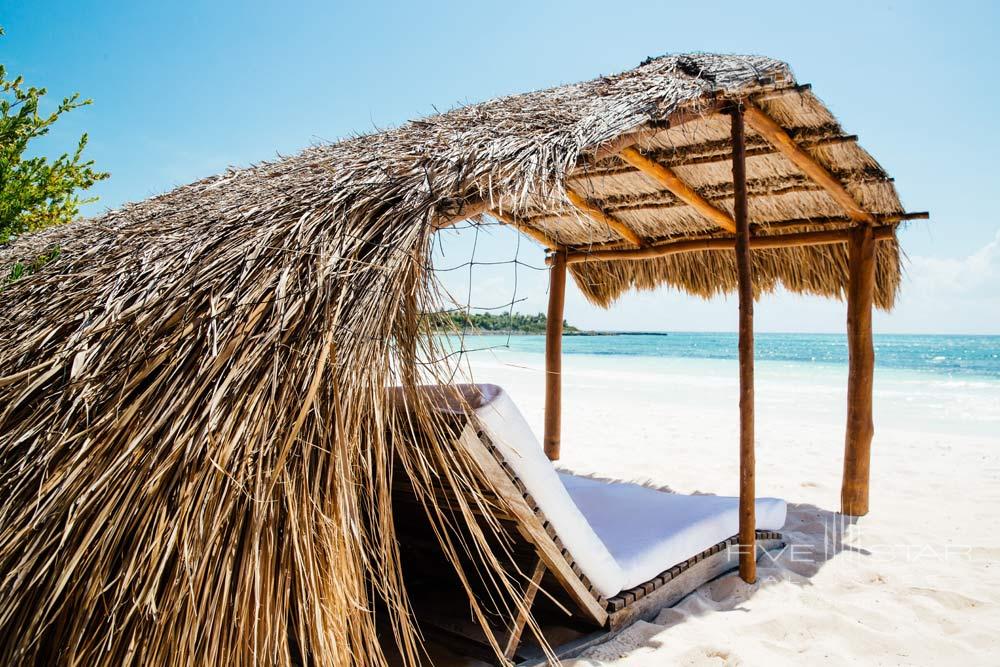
<point>644,602</point>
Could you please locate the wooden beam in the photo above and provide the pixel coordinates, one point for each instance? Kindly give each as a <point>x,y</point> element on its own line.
<point>708,153</point>
<point>532,232</point>
<point>597,215</point>
<point>668,179</point>
<point>770,130</point>
<point>823,237</point>
<point>757,228</point>
<point>462,212</point>
<point>553,356</point>
<point>759,151</point>
<point>747,534</point>
<point>861,368</point>
<point>836,220</point>
<point>514,640</point>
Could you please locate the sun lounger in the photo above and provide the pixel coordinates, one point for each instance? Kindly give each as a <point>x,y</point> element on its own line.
<point>619,552</point>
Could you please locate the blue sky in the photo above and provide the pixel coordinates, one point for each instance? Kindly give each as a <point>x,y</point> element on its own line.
<point>182,90</point>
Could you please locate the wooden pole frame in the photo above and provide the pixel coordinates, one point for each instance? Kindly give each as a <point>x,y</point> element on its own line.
<point>531,232</point>
<point>672,182</point>
<point>553,356</point>
<point>776,135</point>
<point>771,229</point>
<point>747,534</point>
<point>861,370</point>
<point>860,295</point>
<point>800,239</point>
<point>592,211</point>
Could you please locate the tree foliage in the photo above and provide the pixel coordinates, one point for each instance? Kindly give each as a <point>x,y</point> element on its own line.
<point>36,192</point>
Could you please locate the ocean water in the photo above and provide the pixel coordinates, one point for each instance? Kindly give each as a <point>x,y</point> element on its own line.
<point>947,385</point>
<point>956,357</point>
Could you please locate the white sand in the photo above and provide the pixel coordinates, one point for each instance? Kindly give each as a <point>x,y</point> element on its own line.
<point>917,581</point>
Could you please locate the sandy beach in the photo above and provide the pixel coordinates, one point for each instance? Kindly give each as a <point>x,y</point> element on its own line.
<point>917,581</point>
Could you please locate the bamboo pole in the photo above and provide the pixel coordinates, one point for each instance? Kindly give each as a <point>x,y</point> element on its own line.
<point>466,210</point>
<point>860,378</point>
<point>772,229</point>
<point>553,356</point>
<point>698,110</point>
<point>593,212</point>
<point>774,133</point>
<point>672,182</point>
<point>708,153</point>
<point>536,234</point>
<point>800,239</point>
<point>748,548</point>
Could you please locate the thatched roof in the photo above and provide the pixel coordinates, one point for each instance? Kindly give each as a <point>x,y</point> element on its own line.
<point>518,153</point>
<point>193,462</point>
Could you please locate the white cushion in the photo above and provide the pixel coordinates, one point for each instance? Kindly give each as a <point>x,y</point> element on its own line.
<point>511,434</point>
<point>649,531</point>
<point>620,535</point>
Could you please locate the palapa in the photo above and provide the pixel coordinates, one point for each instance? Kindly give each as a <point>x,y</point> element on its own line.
<point>196,445</point>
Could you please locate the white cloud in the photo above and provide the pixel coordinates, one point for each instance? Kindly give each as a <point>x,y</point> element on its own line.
<point>975,275</point>
<point>951,295</point>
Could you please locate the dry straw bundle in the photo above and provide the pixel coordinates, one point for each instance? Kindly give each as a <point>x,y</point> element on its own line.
<point>196,436</point>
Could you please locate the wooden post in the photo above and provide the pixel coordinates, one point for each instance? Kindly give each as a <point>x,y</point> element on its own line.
<point>553,355</point>
<point>748,547</point>
<point>860,377</point>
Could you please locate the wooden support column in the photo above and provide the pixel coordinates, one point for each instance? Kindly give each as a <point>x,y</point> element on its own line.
<point>748,547</point>
<point>553,355</point>
<point>861,369</point>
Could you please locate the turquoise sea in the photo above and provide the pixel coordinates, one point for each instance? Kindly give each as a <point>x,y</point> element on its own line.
<point>944,384</point>
<point>959,357</point>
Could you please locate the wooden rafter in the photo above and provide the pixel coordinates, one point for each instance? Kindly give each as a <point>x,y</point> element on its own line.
<point>709,153</point>
<point>668,179</point>
<point>764,125</point>
<point>463,212</point>
<point>532,232</point>
<point>595,213</point>
<point>715,194</point>
<point>724,243</point>
<point>782,92</point>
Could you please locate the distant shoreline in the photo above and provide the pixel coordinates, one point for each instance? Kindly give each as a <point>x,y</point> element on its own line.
<point>887,334</point>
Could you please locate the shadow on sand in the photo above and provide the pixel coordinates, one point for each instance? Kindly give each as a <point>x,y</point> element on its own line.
<point>813,537</point>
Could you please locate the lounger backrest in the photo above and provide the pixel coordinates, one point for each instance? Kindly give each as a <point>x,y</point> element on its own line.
<point>510,434</point>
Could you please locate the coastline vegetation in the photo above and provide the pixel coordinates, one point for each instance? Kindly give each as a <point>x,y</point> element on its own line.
<point>519,323</point>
